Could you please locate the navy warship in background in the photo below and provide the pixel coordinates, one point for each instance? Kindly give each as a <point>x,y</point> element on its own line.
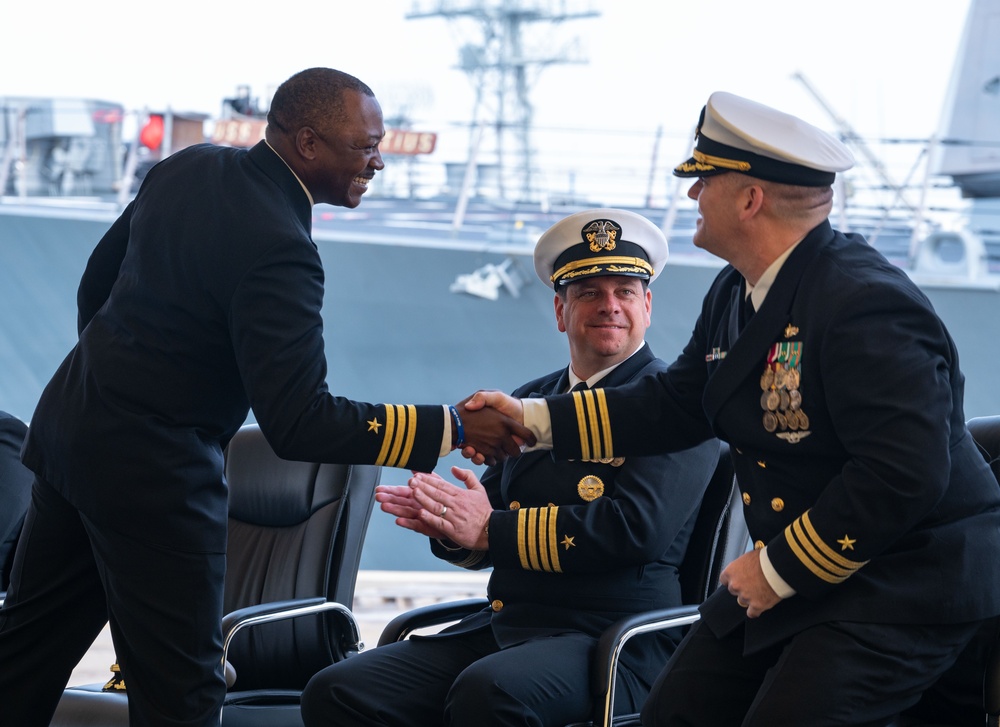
<point>430,297</point>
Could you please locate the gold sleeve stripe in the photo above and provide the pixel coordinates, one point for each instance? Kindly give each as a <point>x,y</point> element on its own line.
<point>411,433</point>
<point>551,536</point>
<point>537,546</point>
<point>602,402</point>
<point>582,424</point>
<point>397,435</point>
<point>825,549</point>
<point>595,443</point>
<point>532,535</point>
<point>806,561</point>
<point>543,550</point>
<point>400,434</point>
<point>390,427</point>
<point>815,555</point>
<point>594,423</point>
<point>522,537</point>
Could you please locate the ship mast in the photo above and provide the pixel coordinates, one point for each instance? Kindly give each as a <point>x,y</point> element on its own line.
<point>515,40</point>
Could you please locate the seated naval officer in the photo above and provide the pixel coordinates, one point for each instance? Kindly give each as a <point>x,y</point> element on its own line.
<point>573,545</point>
<point>876,520</point>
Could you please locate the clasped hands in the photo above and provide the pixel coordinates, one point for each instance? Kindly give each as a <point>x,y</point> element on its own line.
<point>493,424</point>
<point>432,506</point>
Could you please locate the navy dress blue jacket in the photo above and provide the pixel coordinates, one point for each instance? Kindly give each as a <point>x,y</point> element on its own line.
<point>577,545</point>
<point>203,300</point>
<point>864,483</point>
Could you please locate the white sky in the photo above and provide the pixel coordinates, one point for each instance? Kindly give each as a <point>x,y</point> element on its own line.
<point>883,65</point>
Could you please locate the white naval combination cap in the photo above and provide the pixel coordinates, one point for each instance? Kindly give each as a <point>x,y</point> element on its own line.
<point>739,135</point>
<point>601,241</point>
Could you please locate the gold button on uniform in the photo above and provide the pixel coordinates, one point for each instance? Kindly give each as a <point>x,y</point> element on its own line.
<point>758,544</point>
<point>496,605</point>
<point>777,504</point>
<point>515,505</point>
<point>746,498</point>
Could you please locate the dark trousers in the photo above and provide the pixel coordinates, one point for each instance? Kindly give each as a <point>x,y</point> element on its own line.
<point>861,675</point>
<point>164,605</point>
<point>463,679</point>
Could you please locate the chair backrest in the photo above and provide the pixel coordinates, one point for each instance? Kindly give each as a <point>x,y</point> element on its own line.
<point>719,536</point>
<point>295,531</point>
<point>986,432</point>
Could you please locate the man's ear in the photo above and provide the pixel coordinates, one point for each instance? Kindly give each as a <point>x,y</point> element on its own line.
<point>560,304</point>
<point>751,200</point>
<point>305,142</point>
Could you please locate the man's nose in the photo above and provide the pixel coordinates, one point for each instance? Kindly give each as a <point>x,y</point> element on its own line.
<point>609,301</point>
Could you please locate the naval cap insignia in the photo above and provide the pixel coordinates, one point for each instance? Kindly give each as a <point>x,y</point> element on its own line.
<point>602,234</point>
<point>590,488</point>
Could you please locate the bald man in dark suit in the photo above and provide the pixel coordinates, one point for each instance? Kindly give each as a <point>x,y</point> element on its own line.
<point>202,300</point>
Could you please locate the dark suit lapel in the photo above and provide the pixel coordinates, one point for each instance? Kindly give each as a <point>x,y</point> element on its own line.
<point>746,354</point>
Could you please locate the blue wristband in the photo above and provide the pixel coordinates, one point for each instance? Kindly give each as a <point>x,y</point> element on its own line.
<point>459,431</point>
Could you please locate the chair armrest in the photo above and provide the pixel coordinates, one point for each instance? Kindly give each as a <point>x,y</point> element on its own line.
<point>611,643</point>
<point>437,613</point>
<point>280,610</point>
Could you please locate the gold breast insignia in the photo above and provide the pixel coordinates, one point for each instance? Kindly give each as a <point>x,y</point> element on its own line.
<point>590,488</point>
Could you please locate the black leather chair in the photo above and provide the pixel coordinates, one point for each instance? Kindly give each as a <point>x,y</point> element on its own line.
<point>295,536</point>
<point>719,536</point>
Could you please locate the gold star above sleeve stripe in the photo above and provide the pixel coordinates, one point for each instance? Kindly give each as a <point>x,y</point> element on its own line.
<point>373,425</point>
<point>823,561</point>
<point>847,543</point>
<point>567,542</point>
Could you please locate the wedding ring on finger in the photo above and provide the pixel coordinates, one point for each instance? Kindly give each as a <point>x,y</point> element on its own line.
<point>444,509</point>
<point>740,603</point>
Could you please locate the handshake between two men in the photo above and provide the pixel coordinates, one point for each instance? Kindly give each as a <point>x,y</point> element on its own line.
<point>491,428</point>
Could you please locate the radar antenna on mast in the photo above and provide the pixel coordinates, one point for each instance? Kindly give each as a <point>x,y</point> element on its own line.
<point>499,63</point>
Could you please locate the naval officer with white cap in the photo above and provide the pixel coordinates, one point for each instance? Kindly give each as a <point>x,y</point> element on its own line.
<point>573,545</point>
<point>874,519</point>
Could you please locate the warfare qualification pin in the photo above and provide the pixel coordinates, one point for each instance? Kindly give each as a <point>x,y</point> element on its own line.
<point>590,488</point>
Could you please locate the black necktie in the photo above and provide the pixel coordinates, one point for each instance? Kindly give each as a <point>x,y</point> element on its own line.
<point>748,310</point>
<point>580,386</point>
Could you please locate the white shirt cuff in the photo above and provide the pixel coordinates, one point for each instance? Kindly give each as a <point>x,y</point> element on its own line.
<point>773,579</point>
<point>446,438</point>
<point>539,421</point>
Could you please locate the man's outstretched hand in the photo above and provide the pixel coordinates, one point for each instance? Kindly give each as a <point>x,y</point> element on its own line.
<point>493,428</point>
<point>496,400</point>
